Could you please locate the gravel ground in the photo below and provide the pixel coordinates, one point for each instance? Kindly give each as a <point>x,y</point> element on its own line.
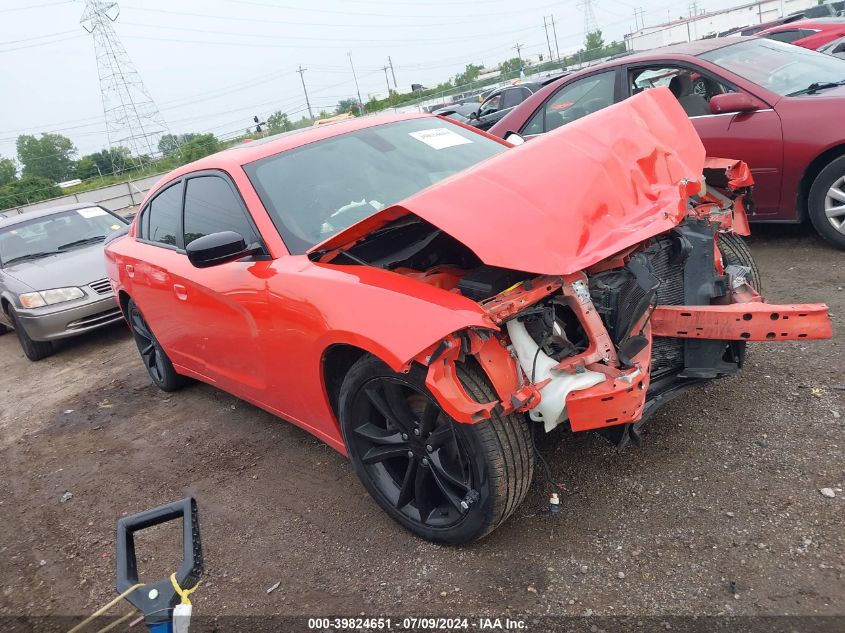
<point>725,489</point>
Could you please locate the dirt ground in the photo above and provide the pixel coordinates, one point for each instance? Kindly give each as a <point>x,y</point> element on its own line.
<point>725,489</point>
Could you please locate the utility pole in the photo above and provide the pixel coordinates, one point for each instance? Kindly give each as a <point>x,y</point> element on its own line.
<point>639,19</point>
<point>548,41</point>
<point>518,48</point>
<point>355,77</point>
<point>392,72</point>
<point>554,32</point>
<point>301,72</point>
<point>386,80</point>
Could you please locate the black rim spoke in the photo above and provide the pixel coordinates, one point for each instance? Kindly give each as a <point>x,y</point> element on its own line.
<point>408,488</point>
<point>447,491</point>
<point>411,452</point>
<point>440,437</point>
<point>148,349</point>
<point>441,472</point>
<point>381,453</point>
<point>377,435</point>
<point>429,418</point>
<point>384,409</point>
<point>422,495</point>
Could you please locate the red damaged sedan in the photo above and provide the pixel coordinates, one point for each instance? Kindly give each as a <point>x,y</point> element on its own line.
<point>424,297</point>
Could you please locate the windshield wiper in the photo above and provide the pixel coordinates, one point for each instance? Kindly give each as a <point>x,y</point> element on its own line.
<point>814,87</point>
<point>22,258</point>
<point>87,240</point>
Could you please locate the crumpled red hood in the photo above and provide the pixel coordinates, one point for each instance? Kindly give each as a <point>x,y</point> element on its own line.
<point>569,198</point>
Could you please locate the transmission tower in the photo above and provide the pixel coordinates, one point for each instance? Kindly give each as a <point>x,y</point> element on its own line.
<point>132,118</point>
<point>591,25</point>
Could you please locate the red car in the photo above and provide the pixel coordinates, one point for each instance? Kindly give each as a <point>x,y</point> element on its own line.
<point>424,297</point>
<point>812,34</point>
<point>778,108</point>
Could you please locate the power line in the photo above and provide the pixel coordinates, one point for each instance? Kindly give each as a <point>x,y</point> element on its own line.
<point>35,6</point>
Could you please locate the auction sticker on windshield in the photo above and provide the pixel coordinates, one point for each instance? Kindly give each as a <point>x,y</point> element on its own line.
<point>90,213</point>
<point>439,137</point>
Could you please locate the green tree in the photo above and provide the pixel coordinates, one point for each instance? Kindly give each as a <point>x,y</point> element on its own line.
<point>469,75</point>
<point>50,156</point>
<point>104,163</point>
<point>8,171</point>
<point>347,105</point>
<point>594,41</point>
<point>278,122</point>
<point>511,65</point>
<point>169,143</point>
<point>199,146</point>
<point>27,190</point>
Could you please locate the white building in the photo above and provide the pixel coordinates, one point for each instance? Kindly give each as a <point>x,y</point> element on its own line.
<point>711,23</point>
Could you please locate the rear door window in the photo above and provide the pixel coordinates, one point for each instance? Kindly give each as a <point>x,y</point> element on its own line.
<point>165,217</point>
<point>786,36</point>
<point>212,206</point>
<point>573,101</point>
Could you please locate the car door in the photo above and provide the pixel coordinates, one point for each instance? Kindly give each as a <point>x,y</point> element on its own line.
<point>226,305</point>
<point>488,109</point>
<point>159,252</point>
<point>572,101</point>
<point>753,137</point>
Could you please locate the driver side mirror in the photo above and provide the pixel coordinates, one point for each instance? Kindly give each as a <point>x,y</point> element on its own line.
<point>734,102</point>
<point>218,248</point>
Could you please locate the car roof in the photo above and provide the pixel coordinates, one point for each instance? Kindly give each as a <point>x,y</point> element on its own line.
<point>40,213</point>
<point>822,23</point>
<point>249,152</point>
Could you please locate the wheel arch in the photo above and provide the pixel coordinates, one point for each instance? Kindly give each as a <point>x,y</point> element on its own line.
<point>335,363</point>
<point>813,170</point>
<point>123,302</point>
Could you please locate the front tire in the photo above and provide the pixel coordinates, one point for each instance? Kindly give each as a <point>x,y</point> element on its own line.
<point>155,359</point>
<point>735,251</point>
<point>440,479</point>
<point>826,203</point>
<point>33,350</point>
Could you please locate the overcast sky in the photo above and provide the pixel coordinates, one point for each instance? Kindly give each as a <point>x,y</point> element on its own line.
<point>211,65</point>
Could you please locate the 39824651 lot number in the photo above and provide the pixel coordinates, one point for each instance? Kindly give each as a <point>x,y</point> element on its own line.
<point>387,624</point>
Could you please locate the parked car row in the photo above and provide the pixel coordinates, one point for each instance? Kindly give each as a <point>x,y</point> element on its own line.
<point>774,106</point>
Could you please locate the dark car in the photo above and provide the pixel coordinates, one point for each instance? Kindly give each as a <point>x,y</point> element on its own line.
<point>835,48</point>
<point>774,106</point>
<point>499,102</point>
<point>458,112</point>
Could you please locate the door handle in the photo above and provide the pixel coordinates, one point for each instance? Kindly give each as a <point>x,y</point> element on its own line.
<point>181,292</point>
<point>130,270</point>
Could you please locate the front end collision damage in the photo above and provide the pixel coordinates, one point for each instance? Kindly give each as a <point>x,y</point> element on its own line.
<point>588,310</point>
<point>608,384</point>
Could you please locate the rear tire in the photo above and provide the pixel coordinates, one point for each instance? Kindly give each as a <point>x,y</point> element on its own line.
<point>33,350</point>
<point>154,357</point>
<point>735,251</point>
<point>827,196</point>
<point>419,464</point>
<point>3,329</point>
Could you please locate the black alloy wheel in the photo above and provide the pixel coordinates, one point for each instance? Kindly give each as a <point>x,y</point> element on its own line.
<point>441,479</point>
<point>155,360</point>
<point>412,452</point>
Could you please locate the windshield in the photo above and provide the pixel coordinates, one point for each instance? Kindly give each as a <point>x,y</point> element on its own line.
<point>56,233</point>
<point>316,191</point>
<point>782,68</point>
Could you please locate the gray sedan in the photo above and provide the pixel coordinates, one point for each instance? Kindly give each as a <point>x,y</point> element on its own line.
<point>52,275</point>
